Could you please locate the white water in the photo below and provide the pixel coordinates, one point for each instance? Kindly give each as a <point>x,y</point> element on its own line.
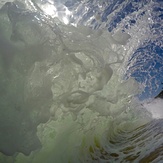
<point>155,108</point>
<point>74,87</point>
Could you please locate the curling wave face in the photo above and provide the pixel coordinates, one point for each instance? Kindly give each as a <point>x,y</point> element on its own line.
<point>69,101</point>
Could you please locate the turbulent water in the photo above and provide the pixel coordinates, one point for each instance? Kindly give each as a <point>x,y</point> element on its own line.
<point>77,81</point>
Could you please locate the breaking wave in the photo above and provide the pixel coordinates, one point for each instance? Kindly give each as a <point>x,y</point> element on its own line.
<point>73,77</point>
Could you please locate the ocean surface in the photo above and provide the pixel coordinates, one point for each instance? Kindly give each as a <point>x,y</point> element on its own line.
<point>79,80</point>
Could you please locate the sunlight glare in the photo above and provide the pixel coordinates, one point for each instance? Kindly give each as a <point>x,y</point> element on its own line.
<point>50,10</point>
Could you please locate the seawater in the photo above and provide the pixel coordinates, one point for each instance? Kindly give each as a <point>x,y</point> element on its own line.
<point>64,92</point>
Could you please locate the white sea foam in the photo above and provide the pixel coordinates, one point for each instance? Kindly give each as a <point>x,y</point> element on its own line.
<point>155,107</point>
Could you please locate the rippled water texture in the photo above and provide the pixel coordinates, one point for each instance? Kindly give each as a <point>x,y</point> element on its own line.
<point>78,80</point>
